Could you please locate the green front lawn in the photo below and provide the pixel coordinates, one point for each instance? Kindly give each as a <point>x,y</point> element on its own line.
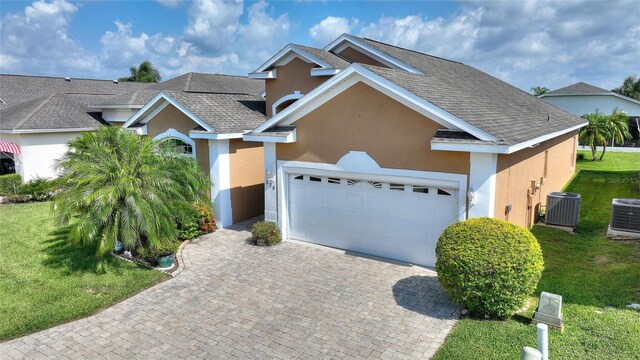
<point>46,281</point>
<point>590,271</point>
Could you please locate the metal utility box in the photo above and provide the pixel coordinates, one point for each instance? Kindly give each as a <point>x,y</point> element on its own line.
<point>563,209</point>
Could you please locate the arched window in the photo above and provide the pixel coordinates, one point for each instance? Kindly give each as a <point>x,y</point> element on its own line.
<point>175,142</point>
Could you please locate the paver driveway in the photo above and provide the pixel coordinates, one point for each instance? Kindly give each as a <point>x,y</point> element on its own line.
<point>235,300</point>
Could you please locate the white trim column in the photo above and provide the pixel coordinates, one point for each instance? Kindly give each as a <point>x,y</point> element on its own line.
<point>220,174</point>
<point>482,184</point>
<point>270,182</point>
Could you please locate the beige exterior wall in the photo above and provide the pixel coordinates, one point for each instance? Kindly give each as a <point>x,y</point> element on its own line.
<point>294,76</point>
<point>171,117</point>
<point>246,162</point>
<point>363,119</point>
<point>355,56</point>
<point>516,171</point>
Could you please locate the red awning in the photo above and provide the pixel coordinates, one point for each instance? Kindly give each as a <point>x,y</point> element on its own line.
<point>9,147</point>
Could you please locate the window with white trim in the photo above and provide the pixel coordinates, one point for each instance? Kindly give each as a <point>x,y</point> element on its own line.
<point>177,146</point>
<point>173,141</point>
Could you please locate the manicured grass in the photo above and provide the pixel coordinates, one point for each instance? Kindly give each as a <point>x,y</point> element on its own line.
<point>46,281</point>
<point>612,161</point>
<point>590,271</point>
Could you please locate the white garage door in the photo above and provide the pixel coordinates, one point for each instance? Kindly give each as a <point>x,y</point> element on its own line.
<point>398,221</point>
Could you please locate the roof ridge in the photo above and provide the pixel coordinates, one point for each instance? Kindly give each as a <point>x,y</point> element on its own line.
<point>188,82</point>
<point>72,78</point>
<point>414,51</point>
<point>34,111</point>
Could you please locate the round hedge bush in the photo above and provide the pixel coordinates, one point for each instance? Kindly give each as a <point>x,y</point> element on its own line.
<point>265,233</point>
<point>489,265</point>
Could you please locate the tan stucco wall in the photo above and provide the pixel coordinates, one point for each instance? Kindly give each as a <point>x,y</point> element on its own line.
<point>363,119</point>
<point>294,76</point>
<point>171,117</point>
<point>246,162</point>
<point>355,56</point>
<point>515,172</point>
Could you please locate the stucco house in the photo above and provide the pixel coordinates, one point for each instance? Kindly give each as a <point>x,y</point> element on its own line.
<point>203,115</point>
<point>376,149</point>
<point>42,114</point>
<point>582,98</point>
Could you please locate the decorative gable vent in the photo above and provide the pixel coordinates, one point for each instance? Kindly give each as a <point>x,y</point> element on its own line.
<point>625,215</point>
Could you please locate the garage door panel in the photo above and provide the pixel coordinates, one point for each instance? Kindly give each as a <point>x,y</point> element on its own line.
<point>397,221</point>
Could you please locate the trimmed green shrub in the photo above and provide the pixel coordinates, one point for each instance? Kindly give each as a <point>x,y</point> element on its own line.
<point>580,156</point>
<point>161,248</point>
<point>200,220</point>
<point>489,265</point>
<point>266,233</point>
<point>9,183</point>
<point>39,189</point>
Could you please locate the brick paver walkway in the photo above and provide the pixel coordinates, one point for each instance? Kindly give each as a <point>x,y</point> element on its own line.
<point>235,300</point>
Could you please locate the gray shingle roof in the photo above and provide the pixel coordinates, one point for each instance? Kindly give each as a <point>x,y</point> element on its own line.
<point>16,89</point>
<point>335,61</point>
<point>226,113</point>
<point>276,131</point>
<point>509,114</point>
<point>55,111</point>
<point>192,82</point>
<point>580,88</point>
<point>494,106</point>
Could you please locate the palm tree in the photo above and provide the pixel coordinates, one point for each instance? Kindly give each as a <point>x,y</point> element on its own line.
<point>146,72</point>
<point>117,186</point>
<point>616,126</point>
<point>539,90</point>
<point>630,87</point>
<point>594,133</point>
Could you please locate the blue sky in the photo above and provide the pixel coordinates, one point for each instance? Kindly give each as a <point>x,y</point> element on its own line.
<point>526,43</point>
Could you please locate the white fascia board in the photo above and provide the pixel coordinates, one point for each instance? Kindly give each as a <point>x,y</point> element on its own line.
<point>43,131</point>
<point>355,73</point>
<point>501,149</point>
<point>203,135</point>
<point>123,106</point>
<point>611,93</point>
<point>271,74</point>
<point>290,138</point>
<point>158,100</point>
<point>324,72</point>
<point>285,54</point>
<point>155,112</point>
<point>371,52</point>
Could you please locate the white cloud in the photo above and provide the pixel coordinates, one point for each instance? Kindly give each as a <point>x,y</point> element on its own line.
<point>528,43</point>
<point>170,3</point>
<point>330,28</point>
<point>213,24</point>
<point>262,35</point>
<point>37,39</point>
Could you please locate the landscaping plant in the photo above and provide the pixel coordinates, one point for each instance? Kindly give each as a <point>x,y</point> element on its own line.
<point>116,186</point>
<point>489,265</point>
<point>266,233</point>
<point>9,183</point>
<point>201,220</point>
<point>604,128</point>
<point>166,247</point>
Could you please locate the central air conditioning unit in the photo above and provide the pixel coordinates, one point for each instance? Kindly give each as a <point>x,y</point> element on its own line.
<point>625,216</point>
<point>563,209</point>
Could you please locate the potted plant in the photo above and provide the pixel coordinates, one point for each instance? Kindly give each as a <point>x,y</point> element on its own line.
<point>162,253</point>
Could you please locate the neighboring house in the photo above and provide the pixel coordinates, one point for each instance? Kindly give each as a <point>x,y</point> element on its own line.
<point>42,114</point>
<point>376,149</point>
<point>204,116</point>
<point>582,98</point>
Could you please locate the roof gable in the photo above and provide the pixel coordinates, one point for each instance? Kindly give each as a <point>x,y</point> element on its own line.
<point>327,63</point>
<point>362,73</point>
<point>580,88</point>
